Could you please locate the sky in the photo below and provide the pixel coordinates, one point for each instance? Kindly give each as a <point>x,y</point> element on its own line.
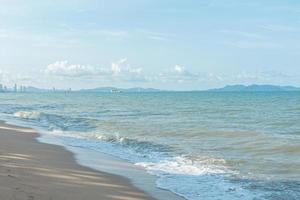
<point>166,44</point>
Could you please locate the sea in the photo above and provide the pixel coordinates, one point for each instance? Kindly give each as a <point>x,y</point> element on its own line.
<point>199,145</point>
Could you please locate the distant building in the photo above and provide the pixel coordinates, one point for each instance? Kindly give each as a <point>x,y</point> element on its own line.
<point>22,88</point>
<point>16,88</point>
<point>3,88</point>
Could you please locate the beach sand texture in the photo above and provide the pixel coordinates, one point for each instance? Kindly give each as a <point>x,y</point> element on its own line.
<point>31,170</point>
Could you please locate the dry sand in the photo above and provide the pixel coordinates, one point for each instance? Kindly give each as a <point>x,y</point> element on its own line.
<point>31,170</point>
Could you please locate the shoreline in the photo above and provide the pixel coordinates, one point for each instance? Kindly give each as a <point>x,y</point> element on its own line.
<point>110,164</point>
<point>34,170</point>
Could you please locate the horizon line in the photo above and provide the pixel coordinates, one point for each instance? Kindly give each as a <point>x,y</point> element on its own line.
<point>21,87</point>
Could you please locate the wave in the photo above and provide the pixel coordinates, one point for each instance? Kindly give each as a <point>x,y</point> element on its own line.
<point>153,156</point>
<point>55,121</point>
<point>131,149</point>
<point>190,176</point>
<point>186,166</point>
<point>27,114</point>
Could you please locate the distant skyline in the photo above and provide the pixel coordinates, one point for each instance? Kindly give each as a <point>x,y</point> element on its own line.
<point>177,45</point>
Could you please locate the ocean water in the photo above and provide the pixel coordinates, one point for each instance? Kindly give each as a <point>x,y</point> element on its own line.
<point>200,145</point>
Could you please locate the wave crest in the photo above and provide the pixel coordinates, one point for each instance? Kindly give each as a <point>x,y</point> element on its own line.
<point>27,114</point>
<point>56,121</point>
<point>186,166</point>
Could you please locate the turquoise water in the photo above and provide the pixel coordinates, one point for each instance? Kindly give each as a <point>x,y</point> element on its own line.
<point>200,145</point>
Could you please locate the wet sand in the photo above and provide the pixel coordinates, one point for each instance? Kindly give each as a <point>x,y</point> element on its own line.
<point>32,170</point>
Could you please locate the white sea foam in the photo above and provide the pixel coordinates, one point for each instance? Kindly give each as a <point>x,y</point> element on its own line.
<point>195,179</point>
<point>183,165</point>
<point>27,114</point>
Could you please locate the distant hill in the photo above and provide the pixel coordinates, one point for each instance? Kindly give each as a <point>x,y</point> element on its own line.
<point>114,89</point>
<point>100,89</point>
<point>255,88</point>
<point>42,90</point>
<point>34,89</point>
<point>137,89</point>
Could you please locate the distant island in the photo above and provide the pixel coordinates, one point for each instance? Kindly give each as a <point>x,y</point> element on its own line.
<point>119,90</point>
<point>255,88</point>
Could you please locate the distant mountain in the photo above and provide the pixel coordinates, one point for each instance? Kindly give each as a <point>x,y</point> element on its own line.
<point>34,89</point>
<point>137,89</point>
<point>116,90</point>
<point>100,89</point>
<point>42,90</point>
<point>255,88</point>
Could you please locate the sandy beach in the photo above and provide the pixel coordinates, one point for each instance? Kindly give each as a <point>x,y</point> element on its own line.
<point>31,170</point>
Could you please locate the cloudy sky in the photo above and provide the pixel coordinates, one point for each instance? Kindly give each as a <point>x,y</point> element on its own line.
<point>168,44</point>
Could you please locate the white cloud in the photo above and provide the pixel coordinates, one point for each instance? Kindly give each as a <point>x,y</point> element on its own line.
<point>179,69</point>
<point>262,76</point>
<point>9,78</point>
<point>4,77</point>
<point>4,34</point>
<point>119,71</point>
<point>214,77</point>
<point>122,67</point>
<point>116,67</point>
<point>63,68</point>
<point>122,70</point>
<point>178,74</point>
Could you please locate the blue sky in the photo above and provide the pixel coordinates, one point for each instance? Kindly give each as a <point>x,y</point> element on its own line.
<point>182,45</point>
